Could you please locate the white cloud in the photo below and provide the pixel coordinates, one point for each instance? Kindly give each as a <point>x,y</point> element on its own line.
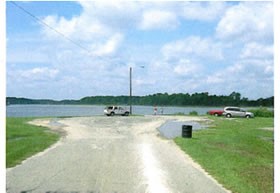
<point>17,55</point>
<point>39,73</point>
<point>205,11</point>
<point>158,19</point>
<point>113,14</point>
<point>252,78</point>
<point>109,47</point>
<point>121,34</point>
<point>186,67</point>
<point>82,28</point>
<point>66,27</point>
<point>194,46</point>
<point>166,15</point>
<point>100,18</point>
<point>27,76</point>
<point>214,79</point>
<point>257,50</point>
<point>247,21</point>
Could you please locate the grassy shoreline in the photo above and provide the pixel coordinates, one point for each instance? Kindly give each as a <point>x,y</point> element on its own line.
<point>24,140</point>
<point>237,152</point>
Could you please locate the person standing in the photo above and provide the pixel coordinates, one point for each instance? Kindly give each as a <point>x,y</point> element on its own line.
<point>155,110</point>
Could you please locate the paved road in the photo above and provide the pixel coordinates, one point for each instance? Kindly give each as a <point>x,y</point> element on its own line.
<point>110,155</point>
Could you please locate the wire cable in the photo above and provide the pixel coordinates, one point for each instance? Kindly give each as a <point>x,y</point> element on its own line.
<point>50,27</point>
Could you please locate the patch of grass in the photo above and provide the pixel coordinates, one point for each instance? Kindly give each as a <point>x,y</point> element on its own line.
<point>236,152</point>
<point>24,140</point>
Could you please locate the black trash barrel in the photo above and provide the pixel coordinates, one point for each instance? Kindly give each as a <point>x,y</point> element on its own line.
<point>187,131</point>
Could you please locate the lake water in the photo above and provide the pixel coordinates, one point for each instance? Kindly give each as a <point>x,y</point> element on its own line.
<point>89,110</point>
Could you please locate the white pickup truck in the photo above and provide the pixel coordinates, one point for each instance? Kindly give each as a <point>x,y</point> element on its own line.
<point>115,110</point>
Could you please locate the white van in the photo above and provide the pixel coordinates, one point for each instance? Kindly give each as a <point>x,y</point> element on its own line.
<point>237,112</point>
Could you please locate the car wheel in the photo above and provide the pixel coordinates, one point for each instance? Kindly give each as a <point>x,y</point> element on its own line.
<point>216,114</point>
<point>248,116</point>
<point>112,113</point>
<point>228,115</point>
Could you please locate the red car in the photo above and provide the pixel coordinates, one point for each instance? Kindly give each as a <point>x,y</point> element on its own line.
<point>216,112</point>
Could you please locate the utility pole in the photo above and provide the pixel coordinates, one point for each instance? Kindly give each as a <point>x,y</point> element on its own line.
<point>130,90</point>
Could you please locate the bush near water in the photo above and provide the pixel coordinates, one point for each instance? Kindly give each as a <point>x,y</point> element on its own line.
<point>193,113</point>
<point>262,112</point>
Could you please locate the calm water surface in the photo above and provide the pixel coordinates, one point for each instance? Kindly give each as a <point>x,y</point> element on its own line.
<point>89,110</point>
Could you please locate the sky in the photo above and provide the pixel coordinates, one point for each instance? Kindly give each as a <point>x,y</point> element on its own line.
<point>69,50</point>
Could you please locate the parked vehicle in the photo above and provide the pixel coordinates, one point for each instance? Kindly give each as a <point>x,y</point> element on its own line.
<point>115,110</point>
<point>237,112</point>
<point>216,112</point>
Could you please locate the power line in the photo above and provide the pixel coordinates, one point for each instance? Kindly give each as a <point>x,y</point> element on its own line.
<point>58,32</point>
<point>50,27</point>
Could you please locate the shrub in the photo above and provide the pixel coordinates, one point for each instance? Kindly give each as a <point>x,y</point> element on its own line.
<point>179,113</point>
<point>193,113</point>
<point>262,112</point>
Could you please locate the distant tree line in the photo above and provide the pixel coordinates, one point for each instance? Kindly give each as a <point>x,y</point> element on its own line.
<point>160,99</point>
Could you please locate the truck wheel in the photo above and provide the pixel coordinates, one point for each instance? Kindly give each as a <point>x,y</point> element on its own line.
<point>112,113</point>
<point>126,114</point>
<point>228,115</point>
<point>248,116</point>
